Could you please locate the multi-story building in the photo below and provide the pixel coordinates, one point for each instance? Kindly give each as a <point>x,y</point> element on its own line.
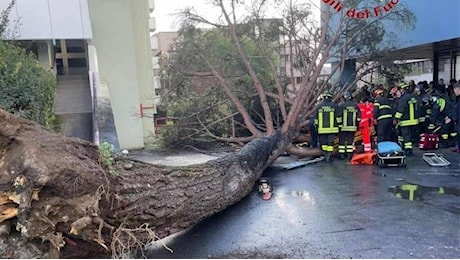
<point>161,46</point>
<point>100,54</point>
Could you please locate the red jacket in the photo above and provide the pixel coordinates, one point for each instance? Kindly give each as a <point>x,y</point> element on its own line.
<point>367,114</point>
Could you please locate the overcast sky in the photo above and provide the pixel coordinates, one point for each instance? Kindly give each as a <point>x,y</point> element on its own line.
<point>164,10</point>
<point>166,21</point>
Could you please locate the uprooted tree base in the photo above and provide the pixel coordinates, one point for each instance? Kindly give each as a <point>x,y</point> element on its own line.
<point>63,202</point>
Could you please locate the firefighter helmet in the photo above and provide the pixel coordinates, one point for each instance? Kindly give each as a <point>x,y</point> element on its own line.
<point>327,95</point>
<point>347,95</point>
<point>403,85</point>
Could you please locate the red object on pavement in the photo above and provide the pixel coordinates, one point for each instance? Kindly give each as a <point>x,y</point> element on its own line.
<point>364,158</point>
<point>428,141</point>
<point>367,121</point>
<point>267,196</point>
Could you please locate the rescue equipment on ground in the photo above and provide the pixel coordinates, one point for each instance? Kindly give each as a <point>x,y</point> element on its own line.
<point>265,188</point>
<point>428,141</point>
<point>434,159</point>
<point>390,154</point>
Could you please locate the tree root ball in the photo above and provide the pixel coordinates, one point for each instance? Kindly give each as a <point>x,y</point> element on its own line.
<point>68,207</point>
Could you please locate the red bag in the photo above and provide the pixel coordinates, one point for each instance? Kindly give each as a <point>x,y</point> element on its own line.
<point>428,141</point>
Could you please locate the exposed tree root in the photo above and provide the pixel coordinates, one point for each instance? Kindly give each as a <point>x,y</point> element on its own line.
<point>56,193</point>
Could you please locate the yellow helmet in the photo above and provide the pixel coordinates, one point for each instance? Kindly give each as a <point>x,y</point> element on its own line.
<point>327,94</point>
<point>403,85</point>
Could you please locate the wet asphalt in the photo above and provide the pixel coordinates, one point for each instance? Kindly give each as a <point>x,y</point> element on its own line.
<point>334,210</point>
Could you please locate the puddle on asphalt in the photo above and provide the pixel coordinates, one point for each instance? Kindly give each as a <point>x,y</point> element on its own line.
<point>410,191</point>
<point>304,195</point>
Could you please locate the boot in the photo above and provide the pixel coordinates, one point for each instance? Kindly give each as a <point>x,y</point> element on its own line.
<point>348,156</point>
<point>341,156</point>
<point>328,156</point>
<point>409,152</point>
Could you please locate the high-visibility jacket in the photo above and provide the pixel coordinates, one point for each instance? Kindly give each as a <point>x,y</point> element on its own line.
<point>367,114</point>
<point>382,108</point>
<point>406,112</point>
<point>349,116</point>
<point>421,110</point>
<point>441,108</point>
<point>367,121</point>
<point>326,117</point>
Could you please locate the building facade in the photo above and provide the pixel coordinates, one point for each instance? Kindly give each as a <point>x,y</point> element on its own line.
<point>100,53</point>
<point>161,46</point>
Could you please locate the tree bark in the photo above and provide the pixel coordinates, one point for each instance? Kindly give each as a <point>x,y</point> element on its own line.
<point>57,189</point>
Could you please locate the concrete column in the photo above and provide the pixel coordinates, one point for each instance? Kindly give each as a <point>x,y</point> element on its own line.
<point>103,121</point>
<point>45,54</point>
<point>457,66</point>
<point>140,15</point>
<point>116,39</point>
<point>435,66</point>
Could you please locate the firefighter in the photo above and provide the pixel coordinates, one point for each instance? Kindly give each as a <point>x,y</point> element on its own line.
<point>441,120</point>
<point>367,122</point>
<point>383,116</point>
<point>349,116</point>
<point>424,113</point>
<point>326,124</point>
<point>406,117</point>
<point>395,96</point>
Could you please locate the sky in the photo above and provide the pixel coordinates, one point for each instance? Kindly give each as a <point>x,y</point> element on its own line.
<point>165,9</point>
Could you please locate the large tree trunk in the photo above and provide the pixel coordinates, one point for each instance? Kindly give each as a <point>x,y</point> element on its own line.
<point>57,190</point>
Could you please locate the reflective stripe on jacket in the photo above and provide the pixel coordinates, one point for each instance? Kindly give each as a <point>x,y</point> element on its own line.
<point>326,117</point>
<point>441,109</point>
<point>406,111</point>
<point>367,113</point>
<point>349,116</point>
<point>382,108</point>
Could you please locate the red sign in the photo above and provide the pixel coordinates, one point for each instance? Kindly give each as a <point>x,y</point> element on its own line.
<point>363,14</point>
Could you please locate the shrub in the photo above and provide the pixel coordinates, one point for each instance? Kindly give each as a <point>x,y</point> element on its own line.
<point>26,88</point>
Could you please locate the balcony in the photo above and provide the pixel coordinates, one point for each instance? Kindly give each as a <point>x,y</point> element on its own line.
<point>152,24</point>
<point>154,42</point>
<point>151,5</point>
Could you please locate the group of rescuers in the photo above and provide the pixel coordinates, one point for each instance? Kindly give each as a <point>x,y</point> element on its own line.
<point>400,114</point>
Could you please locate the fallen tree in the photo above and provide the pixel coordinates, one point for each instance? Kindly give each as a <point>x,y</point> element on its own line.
<point>246,75</point>
<point>58,194</point>
<point>66,202</point>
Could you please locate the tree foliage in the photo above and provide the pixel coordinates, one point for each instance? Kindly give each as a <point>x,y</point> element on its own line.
<point>197,104</point>
<point>26,88</point>
<point>4,18</point>
<point>299,39</point>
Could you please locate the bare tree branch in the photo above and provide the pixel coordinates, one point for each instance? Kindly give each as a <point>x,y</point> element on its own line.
<point>252,73</point>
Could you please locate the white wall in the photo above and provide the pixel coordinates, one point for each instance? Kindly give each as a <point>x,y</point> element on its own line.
<point>49,19</point>
<point>121,37</point>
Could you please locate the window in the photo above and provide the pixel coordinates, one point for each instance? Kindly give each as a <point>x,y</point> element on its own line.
<point>287,57</point>
<point>298,80</point>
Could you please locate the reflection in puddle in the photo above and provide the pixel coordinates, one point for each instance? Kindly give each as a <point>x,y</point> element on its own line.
<point>279,200</point>
<point>291,212</point>
<point>304,195</point>
<point>411,191</point>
